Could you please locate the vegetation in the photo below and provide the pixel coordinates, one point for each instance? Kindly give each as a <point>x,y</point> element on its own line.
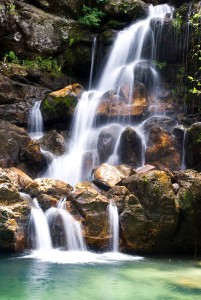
<point>91,17</point>
<point>44,64</point>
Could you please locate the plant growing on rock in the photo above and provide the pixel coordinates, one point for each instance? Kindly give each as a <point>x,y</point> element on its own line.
<point>91,17</point>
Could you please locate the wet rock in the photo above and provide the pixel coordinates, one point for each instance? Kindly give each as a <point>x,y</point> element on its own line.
<point>8,191</point>
<point>187,237</point>
<point>16,99</point>
<point>17,177</point>
<point>106,141</point>
<point>162,150</point>
<point>93,206</point>
<point>119,195</point>
<point>54,142</point>
<point>150,219</point>
<point>131,148</point>
<point>58,105</point>
<point>48,191</point>
<point>193,147</point>
<point>108,176</point>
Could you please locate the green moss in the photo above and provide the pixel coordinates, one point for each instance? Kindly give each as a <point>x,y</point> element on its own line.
<point>52,104</point>
<point>187,200</point>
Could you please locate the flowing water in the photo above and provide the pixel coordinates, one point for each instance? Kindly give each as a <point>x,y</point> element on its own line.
<point>93,55</point>
<point>130,61</point>
<point>35,126</point>
<point>148,279</point>
<point>114,226</point>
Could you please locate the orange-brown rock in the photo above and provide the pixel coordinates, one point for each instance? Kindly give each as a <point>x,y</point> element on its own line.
<point>71,90</point>
<point>17,177</point>
<point>162,150</point>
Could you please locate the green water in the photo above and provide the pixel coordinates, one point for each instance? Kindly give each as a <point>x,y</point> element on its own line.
<point>149,279</point>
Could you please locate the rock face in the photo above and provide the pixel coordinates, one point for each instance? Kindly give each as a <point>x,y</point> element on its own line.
<point>131,148</point>
<point>149,221</point>
<point>16,99</point>
<point>193,147</point>
<point>162,150</point>
<point>93,207</point>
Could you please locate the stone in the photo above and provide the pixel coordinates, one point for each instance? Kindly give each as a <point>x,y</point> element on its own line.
<point>106,141</point>
<point>93,206</point>
<point>109,176</point>
<point>145,169</point>
<point>130,148</point>
<point>58,105</point>
<point>149,222</point>
<point>193,147</point>
<point>162,150</point>
<point>54,142</point>
<point>17,177</point>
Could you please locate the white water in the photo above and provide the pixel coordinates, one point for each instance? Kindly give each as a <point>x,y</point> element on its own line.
<point>72,228</point>
<point>183,162</point>
<point>42,232</point>
<point>114,226</point>
<point>133,50</point>
<point>35,126</point>
<point>92,62</point>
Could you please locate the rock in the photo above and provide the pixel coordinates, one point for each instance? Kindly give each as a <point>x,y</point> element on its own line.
<point>93,206</point>
<point>193,147</point>
<point>54,142</point>
<point>125,10</point>
<point>187,237</point>
<point>8,191</point>
<point>175,188</point>
<point>145,169</point>
<point>16,99</point>
<point>34,157</point>
<point>48,191</point>
<point>162,150</point>
<point>131,148</point>
<point>60,104</point>
<point>108,176</point>
<point>149,221</point>
<point>106,141</point>
<point>119,195</point>
<point>17,177</point>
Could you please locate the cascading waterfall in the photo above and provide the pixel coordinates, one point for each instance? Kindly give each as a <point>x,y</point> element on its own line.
<point>131,60</point>
<point>114,226</point>
<point>41,228</point>
<point>92,62</point>
<point>35,126</point>
<point>72,228</point>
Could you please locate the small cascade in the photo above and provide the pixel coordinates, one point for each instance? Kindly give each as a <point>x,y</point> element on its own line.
<point>40,227</point>
<point>72,228</point>
<point>93,55</point>
<point>35,126</point>
<point>183,161</point>
<point>114,226</point>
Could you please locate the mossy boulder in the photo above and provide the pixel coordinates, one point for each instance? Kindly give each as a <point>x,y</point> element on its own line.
<point>193,147</point>
<point>60,104</point>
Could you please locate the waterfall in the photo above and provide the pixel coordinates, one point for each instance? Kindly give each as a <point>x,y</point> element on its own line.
<point>72,228</point>
<point>130,62</point>
<point>41,229</point>
<point>93,54</point>
<point>114,226</point>
<point>35,126</point>
<point>183,161</point>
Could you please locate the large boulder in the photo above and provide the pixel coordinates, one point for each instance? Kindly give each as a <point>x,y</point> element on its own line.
<point>108,176</point>
<point>149,219</point>
<point>58,105</point>
<point>130,148</point>
<point>162,150</point>
<point>187,237</point>
<point>193,147</point>
<point>93,206</point>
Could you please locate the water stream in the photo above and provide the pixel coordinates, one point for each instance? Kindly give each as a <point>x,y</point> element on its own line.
<point>35,125</point>
<point>114,226</point>
<point>130,60</point>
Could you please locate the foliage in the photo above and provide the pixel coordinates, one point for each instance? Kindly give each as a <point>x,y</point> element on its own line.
<point>91,17</point>
<point>177,22</point>
<point>159,64</point>
<point>44,64</point>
